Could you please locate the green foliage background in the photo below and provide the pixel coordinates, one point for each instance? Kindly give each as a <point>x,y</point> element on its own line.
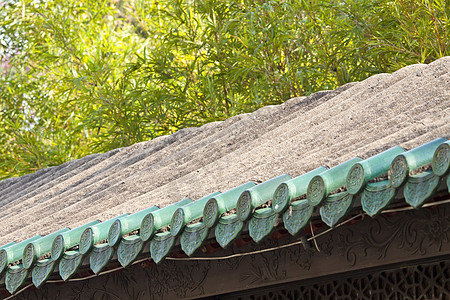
<point>84,76</point>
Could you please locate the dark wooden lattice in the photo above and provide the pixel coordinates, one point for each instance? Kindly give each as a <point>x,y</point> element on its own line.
<point>424,281</point>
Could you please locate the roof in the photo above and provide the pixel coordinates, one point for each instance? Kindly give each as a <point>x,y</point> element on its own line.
<point>359,131</point>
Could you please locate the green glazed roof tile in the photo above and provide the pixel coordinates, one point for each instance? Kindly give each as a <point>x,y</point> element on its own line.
<point>69,264</point>
<point>14,253</point>
<point>222,203</point>
<point>161,245</point>
<point>361,172</point>
<point>95,234</point>
<point>441,159</point>
<point>39,247</point>
<point>419,188</point>
<point>335,208</point>
<point>188,213</point>
<point>193,237</point>
<point>228,229</point>
<point>100,256</point>
<point>129,249</point>
<point>126,225</point>
<point>376,196</point>
<point>158,219</point>
<point>297,216</point>
<point>262,223</point>
<point>293,188</point>
<point>7,245</point>
<point>412,160</point>
<point>323,184</point>
<point>42,271</point>
<point>67,240</point>
<point>257,195</point>
<point>15,278</point>
<point>448,183</point>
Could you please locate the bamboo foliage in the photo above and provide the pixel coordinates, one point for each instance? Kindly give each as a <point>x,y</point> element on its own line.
<point>84,76</point>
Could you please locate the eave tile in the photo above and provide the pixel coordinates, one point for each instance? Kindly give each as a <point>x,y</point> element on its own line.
<point>188,213</point>
<point>95,234</point>
<point>297,216</point>
<point>262,223</point>
<point>39,247</point>
<point>377,196</point>
<point>335,208</point>
<point>161,245</point>
<point>13,253</point>
<point>228,229</point>
<point>419,188</point>
<point>127,224</point>
<point>15,278</point>
<point>362,172</point>
<point>412,160</point>
<point>441,159</point>
<point>42,271</point>
<point>193,237</point>
<point>158,219</point>
<point>128,250</point>
<point>250,199</point>
<point>325,183</point>
<point>67,240</point>
<point>100,256</point>
<point>293,188</point>
<point>69,264</point>
<point>222,203</point>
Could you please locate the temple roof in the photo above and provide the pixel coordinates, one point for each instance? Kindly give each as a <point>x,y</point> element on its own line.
<point>358,148</point>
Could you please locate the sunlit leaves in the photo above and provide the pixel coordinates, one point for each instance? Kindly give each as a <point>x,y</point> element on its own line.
<point>78,76</point>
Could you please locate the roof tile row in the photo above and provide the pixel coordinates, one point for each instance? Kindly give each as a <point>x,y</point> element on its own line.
<point>290,200</point>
